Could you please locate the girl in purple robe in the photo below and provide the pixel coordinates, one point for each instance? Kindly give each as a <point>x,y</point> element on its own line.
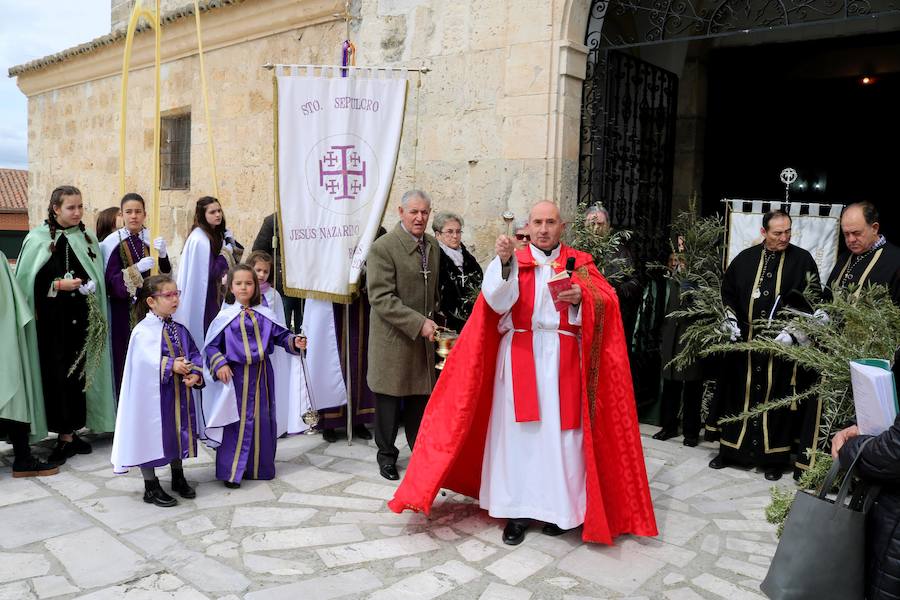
<point>238,345</point>
<point>208,253</point>
<point>128,262</point>
<point>156,425</point>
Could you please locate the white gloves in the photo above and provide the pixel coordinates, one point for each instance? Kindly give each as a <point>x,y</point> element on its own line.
<point>145,264</point>
<point>88,288</point>
<point>229,235</point>
<point>789,336</point>
<point>821,316</point>
<point>730,326</point>
<point>160,245</point>
<point>784,338</point>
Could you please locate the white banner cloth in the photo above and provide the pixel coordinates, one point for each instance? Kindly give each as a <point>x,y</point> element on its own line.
<point>816,234</point>
<point>338,139</point>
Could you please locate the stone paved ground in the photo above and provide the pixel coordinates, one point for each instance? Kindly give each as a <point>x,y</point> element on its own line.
<point>322,530</point>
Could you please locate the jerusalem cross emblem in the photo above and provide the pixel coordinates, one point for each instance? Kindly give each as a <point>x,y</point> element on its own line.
<point>342,172</point>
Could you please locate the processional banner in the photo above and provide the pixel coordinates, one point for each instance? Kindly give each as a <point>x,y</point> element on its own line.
<point>814,227</point>
<point>337,142</point>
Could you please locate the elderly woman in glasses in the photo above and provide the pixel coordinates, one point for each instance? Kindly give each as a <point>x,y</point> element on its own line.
<point>459,273</point>
<point>523,238</point>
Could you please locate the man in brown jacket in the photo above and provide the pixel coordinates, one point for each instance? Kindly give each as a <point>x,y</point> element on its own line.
<point>402,272</point>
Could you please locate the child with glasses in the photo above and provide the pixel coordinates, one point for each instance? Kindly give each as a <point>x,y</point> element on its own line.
<point>156,425</point>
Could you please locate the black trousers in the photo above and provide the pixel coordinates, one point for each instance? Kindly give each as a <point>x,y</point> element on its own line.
<point>293,312</point>
<point>18,436</point>
<point>681,393</point>
<point>388,411</point>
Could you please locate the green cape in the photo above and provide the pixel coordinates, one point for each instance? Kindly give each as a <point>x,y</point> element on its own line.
<point>101,405</point>
<point>21,396</point>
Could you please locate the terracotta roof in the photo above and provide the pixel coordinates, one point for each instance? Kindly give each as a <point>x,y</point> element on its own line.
<point>13,190</point>
<point>170,16</point>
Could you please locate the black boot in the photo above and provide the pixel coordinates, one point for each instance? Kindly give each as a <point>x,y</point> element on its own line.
<point>329,435</point>
<point>180,485</point>
<point>154,494</point>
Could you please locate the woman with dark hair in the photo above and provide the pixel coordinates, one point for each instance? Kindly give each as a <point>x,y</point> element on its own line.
<point>126,254</point>
<point>107,222</point>
<point>58,269</point>
<point>210,250</point>
<point>459,273</point>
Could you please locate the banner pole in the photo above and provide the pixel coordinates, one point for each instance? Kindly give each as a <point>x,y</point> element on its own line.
<point>347,366</point>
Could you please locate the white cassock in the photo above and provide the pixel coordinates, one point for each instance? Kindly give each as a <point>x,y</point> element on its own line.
<point>291,397</point>
<point>534,469</point>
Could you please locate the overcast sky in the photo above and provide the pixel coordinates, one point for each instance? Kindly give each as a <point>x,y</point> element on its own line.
<point>32,29</point>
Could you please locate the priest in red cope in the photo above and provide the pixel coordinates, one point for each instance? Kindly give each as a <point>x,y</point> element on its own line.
<point>534,412</point>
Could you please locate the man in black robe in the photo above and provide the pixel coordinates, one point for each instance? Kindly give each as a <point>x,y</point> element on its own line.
<point>760,282</point>
<point>871,259</point>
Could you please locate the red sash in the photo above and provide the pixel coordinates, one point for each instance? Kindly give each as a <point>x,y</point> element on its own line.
<point>525,394</point>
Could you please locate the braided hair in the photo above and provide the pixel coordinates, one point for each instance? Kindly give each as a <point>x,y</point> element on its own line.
<point>56,201</point>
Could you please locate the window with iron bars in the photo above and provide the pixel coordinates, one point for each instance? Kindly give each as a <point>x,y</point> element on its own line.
<point>175,152</point>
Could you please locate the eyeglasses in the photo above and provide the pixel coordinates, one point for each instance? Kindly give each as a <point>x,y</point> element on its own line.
<point>171,294</point>
<point>523,237</point>
<point>452,232</point>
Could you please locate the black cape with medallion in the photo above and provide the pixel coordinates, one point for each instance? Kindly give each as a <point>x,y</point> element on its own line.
<point>879,266</point>
<point>749,379</point>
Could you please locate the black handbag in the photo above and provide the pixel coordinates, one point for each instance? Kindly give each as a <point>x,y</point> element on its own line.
<point>821,554</point>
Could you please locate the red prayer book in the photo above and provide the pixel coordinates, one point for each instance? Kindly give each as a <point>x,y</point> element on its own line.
<point>558,284</point>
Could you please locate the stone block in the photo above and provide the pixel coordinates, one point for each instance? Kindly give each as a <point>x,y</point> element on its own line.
<point>488,24</point>
<point>85,555</point>
<point>532,21</point>
<point>527,69</point>
<point>525,137</point>
<point>428,584</point>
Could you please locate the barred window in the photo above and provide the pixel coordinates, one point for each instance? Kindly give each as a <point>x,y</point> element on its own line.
<point>175,152</point>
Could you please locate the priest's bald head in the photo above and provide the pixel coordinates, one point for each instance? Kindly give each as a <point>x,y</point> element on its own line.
<point>545,225</point>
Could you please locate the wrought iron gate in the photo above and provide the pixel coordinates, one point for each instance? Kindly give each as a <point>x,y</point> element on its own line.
<point>628,106</point>
<point>634,163</point>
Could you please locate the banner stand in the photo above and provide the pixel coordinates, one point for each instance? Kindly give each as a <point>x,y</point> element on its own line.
<point>299,281</point>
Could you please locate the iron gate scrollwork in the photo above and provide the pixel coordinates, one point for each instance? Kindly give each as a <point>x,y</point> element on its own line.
<point>630,170</point>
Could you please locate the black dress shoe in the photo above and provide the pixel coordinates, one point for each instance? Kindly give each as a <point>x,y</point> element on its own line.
<point>79,446</point>
<point>329,435</point>
<point>154,494</point>
<point>553,529</point>
<point>717,463</point>
<point>362,432</point>
<point>232,485</point>
<point>774,473</point>
<point>181,487</point>
<point>389,472</point>
<point>34,468</point>
<point>664,434</point>
<point>61,452</point>
<point>514,532</point>
<point>691,441</point>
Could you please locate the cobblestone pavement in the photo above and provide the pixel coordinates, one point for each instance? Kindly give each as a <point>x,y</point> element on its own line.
<point>322,530</point>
